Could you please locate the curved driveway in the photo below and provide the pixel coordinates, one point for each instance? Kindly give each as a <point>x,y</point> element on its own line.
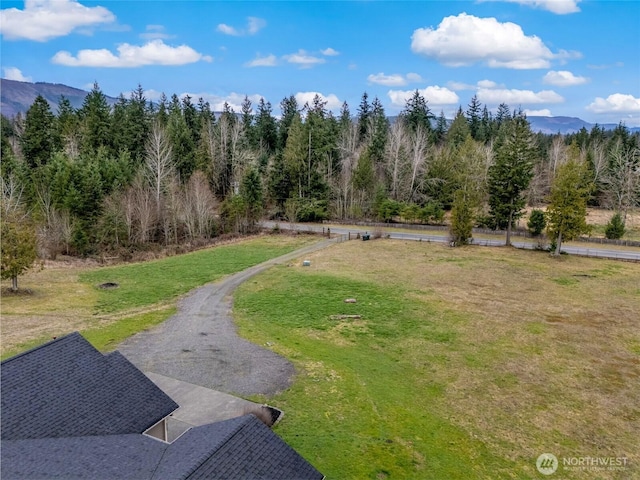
<point>199,344</point>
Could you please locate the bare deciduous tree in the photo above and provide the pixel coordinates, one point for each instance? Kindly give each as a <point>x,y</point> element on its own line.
<point>199,207</point>
<point>158,160</point>
<point>348,151</point>
<point>622,179</point>
<point>396,146</point>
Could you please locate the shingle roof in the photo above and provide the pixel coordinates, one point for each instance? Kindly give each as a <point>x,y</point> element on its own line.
<point>109,457</point>
<point>241,448</point>
<point>69,412</point>
<point>67,388</point>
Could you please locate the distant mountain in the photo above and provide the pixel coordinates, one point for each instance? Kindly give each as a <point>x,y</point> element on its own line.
<point>564,125</point>
<point>19,96</point>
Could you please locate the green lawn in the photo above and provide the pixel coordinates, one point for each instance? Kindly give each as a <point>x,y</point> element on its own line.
<point>464,363</point>
<point>365,406</point>
<point>64,299</point>
<point>161,281</point>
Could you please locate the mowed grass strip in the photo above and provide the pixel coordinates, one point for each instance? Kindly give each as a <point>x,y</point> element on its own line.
<point>464,363</point>
<point>62,298</point>
<point>161,281</point>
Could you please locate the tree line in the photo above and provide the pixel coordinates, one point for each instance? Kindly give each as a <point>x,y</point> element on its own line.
<point>103,178</point>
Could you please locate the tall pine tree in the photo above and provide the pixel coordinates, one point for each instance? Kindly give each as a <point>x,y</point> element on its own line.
<point>511,174</point>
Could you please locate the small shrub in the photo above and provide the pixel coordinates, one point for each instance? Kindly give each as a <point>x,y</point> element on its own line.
<point>432,213</point>
<point>615,228</point>
<point>536,223</point>
<point>387,209</point>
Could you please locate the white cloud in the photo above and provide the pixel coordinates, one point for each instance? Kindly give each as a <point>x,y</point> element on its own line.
<point>227,30</point>
<point>495,96</point>
<point>466,39</point>
<point>559,7</point>
<point>155,52</point>
<point>435,95</point>
<point>154,32</point>
<point>268,61</point>
<point>563,78</point>
<point>303,59</point>
<point>394,80</point>
<point>487,84</point>
<point>617,102</point>
<point>329,52</point>
<point>545,112</point>
<point>333,102</point>
<point>42,20</point>
<point>254,25</point>
<point>13,73</point>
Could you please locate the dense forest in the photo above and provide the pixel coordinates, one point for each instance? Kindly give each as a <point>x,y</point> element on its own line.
<point>100,178</point>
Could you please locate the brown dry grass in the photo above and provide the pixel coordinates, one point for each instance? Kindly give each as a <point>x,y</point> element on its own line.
<point>49,301</point>
<point>548,350</point>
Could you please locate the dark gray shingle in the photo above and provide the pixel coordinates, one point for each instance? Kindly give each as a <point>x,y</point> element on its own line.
<point>67,388</point>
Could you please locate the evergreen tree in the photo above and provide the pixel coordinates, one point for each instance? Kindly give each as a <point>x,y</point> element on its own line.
<point>615,228</point>
<point>37,140</point>
<point>567,210</point>
<point>473,117</point>
<point>486,132</point>
<point>137,124</point>
<point>441,128</point>
<point>95,120</point>
<point>416,113</point>
<point>364,111</point>
<point>119,125</point>
<point>247,121</point>
<point>345,116</point>
<point>251,192</point>
<point>182,143</point>
<point>458,131</point>
<point>67,135</point>
<point>503,114</point>
<point>536,222</point>
<point>289,109</point>
<point>266,128</point>
<point>461,228</point>
<point>162,114</point>
<point>511,174</point>
<point>18,239</point>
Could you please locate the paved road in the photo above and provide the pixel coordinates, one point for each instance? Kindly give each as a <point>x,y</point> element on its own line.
<point>630,254</point>
<point>199,344</point>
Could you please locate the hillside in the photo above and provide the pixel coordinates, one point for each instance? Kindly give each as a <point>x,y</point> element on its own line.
<point>19,96</point>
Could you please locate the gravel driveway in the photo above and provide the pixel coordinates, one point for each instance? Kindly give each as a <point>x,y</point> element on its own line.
<point>199,344</point>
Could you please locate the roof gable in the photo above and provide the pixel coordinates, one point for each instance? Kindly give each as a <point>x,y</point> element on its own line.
<point>67,388</point>
<point>252,451</point>
<point>242,447</point>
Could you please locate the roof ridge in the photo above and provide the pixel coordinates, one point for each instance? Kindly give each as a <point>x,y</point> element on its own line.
<point>242,425</point>
<point>50,342</point>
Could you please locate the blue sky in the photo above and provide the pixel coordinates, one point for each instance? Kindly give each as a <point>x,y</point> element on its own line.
<point>549,57</point>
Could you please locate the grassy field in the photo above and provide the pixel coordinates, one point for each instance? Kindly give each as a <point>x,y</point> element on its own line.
<point>63,298</point>
<point>465,363</point>
<point>459,363</point>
